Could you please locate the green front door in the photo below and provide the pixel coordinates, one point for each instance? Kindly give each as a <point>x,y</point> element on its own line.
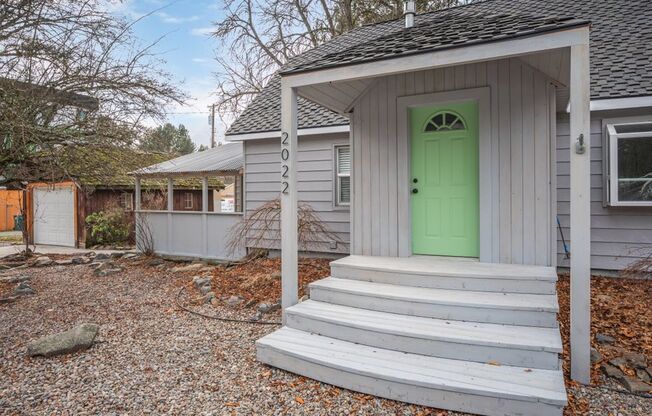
<point>444,182</point>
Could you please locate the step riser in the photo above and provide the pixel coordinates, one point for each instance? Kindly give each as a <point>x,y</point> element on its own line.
<point>538,287</point>
<point>441,311</point>
<point>450,400</point>
<point>436,348</point>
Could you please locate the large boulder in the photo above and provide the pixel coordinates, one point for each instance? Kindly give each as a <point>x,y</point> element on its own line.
<point>79,338</point>
<point>43,261</point>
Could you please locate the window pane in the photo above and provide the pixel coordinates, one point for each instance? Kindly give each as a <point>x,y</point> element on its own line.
<point>345,190</point>
<point>344,160</point>
<point>633,128</point>
<point>635,169</point>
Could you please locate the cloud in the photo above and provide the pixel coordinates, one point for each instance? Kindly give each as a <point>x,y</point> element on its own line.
<point>200,60</point>
<point>168,18</point>
<point>202,31</point>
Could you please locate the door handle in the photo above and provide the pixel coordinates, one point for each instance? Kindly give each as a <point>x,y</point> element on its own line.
<point>415,191</point>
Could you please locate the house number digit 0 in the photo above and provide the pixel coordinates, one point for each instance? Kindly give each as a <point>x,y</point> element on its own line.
<point>285,155</point>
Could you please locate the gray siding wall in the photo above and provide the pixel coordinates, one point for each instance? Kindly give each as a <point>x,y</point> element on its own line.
<point>619,235</point>
<point>315,182</point>
<point>522,109</point>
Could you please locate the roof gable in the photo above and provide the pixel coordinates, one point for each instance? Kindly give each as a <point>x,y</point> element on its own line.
<point>621,58</point>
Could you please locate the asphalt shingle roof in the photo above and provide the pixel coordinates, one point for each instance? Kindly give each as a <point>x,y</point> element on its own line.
<point>621,56</point>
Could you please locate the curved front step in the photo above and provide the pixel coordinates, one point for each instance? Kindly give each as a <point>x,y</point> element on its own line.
<point>533,347</point>
<point>429,381</point>
<point>442,273</point>
<point>458,305</point>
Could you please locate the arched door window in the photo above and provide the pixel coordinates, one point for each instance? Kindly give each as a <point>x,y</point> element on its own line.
<point>445,121</point>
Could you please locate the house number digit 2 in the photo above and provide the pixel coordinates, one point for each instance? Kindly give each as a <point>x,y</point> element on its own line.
<point>285,156</point>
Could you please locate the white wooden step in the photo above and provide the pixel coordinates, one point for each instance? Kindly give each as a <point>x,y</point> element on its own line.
<point>458,305</point>
<point>522,346</point>
<point>430,381</point>
<point>447,273</point>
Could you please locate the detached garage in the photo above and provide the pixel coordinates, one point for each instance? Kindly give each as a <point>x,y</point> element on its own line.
<point>52,212</point>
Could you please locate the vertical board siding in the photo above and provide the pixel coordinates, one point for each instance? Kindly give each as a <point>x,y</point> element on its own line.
<point>619,235</point>
<point>315,183</point>
<point>521,143</point>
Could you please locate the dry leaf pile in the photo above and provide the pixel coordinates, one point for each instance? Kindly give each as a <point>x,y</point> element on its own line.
<point>260,280</point>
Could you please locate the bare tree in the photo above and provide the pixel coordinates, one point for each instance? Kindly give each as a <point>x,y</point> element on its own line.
<point>257,37</point>
<point>72,76</point>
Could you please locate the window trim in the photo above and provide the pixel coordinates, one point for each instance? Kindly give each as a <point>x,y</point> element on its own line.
<point>610,154</point>
<point>337,202</point>
<point>124,197</point>
<point>186,200</point>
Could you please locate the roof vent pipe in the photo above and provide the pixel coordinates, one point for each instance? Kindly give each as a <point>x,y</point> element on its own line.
<point>410,11</point>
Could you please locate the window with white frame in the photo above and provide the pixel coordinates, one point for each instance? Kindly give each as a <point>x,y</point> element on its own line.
<point>629,163</point>
<point>187,200</point>
<point>343,173</point>
<point>126,201</point>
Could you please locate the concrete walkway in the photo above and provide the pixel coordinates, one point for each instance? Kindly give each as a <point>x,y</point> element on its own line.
<point>43,249</point>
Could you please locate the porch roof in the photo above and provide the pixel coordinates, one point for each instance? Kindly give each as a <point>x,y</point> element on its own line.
<point>223,159</point>
<point>620,56</point>
<point>438,31</point>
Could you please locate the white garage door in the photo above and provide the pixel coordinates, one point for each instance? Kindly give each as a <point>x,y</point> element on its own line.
<point>54,216</point>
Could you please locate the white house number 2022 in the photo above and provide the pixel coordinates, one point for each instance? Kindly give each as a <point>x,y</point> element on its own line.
<point>285,156</point>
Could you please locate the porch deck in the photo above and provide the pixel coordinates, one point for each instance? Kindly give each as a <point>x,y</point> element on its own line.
<point>447,333</point>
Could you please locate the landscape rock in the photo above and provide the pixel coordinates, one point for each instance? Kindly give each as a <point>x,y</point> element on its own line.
<point>595,355</point>
<point>264,307</point>
<point>304,298</point>
<point>618,362</point>
<point>257,316</point>
<point>188,268</point>
<point>102,256</point>
<point>250,303</point>
<point>208,297</point>
<point>635,385</point>
<point>234,301</point>
<point>201,281</point>
<point>116,255</point>
<point>155,261</point>
<point>24,288</point>
<point>80,260</point>
<point>275,307</point>
<point>131,256</point>
<point>14,279</point>
<point>64,262</point>
<point>611,371</point>
<point>604,339</point>
<point>76,339</point>
<point>107,268</point>
<point>636,359</point>
<point>643,375</point>
<point>43,261</point>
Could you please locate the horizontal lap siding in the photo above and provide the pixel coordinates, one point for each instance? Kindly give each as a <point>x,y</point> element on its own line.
<point>521,146</point>
<point>315,183</point>
<point>619,235</point>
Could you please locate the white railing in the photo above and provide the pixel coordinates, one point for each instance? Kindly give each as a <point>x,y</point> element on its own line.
<point>189,234</point>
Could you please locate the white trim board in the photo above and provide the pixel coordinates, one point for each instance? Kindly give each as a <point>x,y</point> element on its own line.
<point>488,201</point>
<point>276,134</point>
<point>618,103</point>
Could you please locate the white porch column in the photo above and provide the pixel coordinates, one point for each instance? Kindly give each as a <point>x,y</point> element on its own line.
<point>170,209</point>
<point>580,214</point>
<point>289,236</point>
<point>204,218</point>
<point>137,196</point>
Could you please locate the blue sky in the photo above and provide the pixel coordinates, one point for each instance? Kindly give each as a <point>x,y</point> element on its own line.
<point>187,49</point>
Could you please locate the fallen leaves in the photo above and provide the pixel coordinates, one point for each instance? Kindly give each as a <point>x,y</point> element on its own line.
<point>232,404</point>
<point>299,400</point>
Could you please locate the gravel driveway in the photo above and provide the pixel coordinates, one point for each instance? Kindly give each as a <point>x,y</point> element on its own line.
<point>153,358</point>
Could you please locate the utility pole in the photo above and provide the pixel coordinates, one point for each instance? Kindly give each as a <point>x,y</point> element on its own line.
<point>212,125</point>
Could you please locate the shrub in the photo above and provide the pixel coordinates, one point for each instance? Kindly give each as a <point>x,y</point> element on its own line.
<point>108,227</point>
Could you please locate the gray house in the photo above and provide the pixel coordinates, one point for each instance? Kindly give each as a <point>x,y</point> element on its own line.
<point>621,92</point>
<point>470,131</point>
